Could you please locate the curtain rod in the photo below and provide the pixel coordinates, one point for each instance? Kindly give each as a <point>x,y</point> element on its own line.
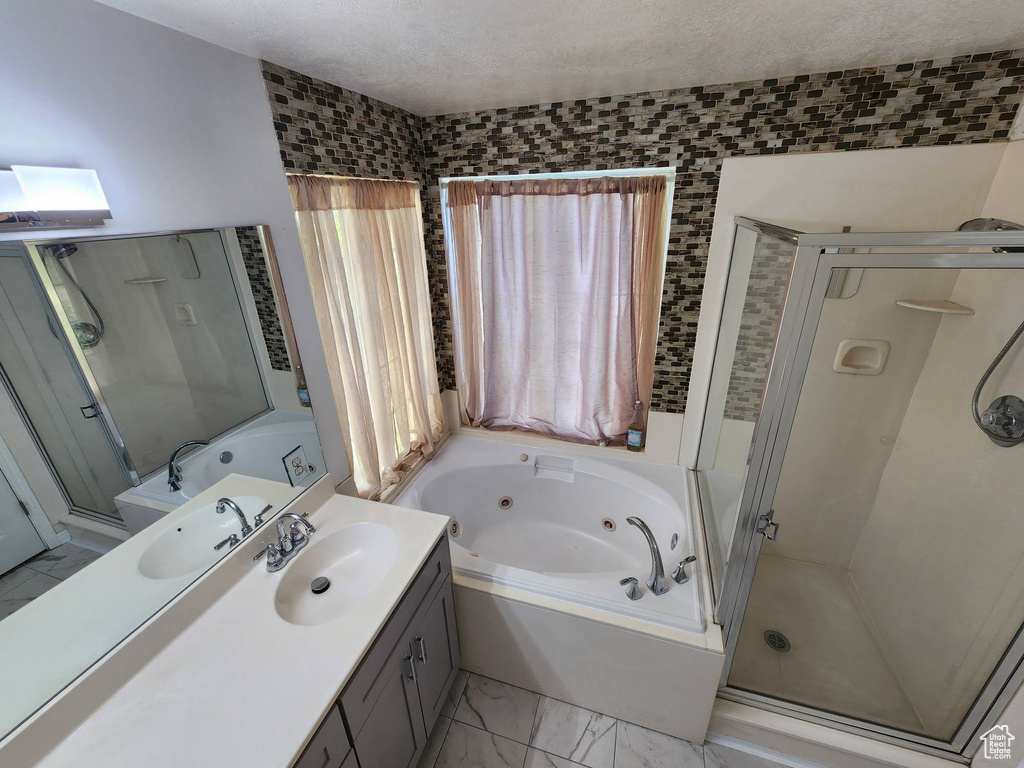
<point>351,178</point>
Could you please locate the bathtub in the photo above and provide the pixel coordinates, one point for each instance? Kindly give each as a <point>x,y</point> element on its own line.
<point>256,448</point>
<point>540,543</point>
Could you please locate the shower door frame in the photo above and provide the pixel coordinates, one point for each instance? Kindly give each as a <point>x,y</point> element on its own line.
<point>817,255</point>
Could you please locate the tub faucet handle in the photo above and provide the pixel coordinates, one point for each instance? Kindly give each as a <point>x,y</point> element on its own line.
<point>633,591</point>
<point>679,575</point>
<point>258,520</point>
<point>231,541</point>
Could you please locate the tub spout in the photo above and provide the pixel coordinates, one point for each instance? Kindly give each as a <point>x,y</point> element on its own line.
<point>656,581</point>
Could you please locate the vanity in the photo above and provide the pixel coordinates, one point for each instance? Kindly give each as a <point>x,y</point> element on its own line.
<point>268,673</point>
<point>395,696</point>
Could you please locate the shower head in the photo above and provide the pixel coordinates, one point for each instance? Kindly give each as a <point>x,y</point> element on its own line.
<point>63,250</point>
<point>993,225</point>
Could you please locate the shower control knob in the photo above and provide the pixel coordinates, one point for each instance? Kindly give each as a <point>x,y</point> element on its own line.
<point>1003,421</point>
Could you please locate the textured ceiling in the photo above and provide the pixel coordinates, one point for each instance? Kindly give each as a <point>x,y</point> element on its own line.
<point>443,56</point>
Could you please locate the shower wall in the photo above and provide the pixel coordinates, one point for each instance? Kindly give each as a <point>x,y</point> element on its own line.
<point>915,189</point>
<point>946,523</point>
<point>175,362</point>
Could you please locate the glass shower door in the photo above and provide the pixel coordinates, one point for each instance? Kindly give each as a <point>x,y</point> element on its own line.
<point>160,336</point>
<point>40,372</point>
<point>762,257</point>
<point>882,587</point>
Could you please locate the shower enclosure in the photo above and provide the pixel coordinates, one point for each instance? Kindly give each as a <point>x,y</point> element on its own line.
<point>864,533</point>
<point>116,350</point>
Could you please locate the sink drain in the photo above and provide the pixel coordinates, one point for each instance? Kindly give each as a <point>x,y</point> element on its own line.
<point>777,641</point>
<point>608,524</point>
<point>505,502</point>
<point>320,584</point>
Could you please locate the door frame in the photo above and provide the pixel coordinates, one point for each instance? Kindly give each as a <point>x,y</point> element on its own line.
<point>817,255</point>
<point>36,515</point>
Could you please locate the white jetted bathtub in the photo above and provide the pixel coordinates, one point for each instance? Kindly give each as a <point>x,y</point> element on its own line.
<point>264,447</point>
<point>540,543</point>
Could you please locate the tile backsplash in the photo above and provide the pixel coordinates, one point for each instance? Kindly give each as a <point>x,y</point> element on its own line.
<point>323,128</point>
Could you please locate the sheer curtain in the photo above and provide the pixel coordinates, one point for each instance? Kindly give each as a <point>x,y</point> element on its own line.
<point>363,245</point>
<point>556,294</point>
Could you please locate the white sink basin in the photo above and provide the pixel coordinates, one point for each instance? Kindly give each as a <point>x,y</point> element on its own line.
<point>355,558</point>
<point>187,546</point>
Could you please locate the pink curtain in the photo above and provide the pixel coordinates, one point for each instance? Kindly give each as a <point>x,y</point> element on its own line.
<point>550,317</point>
<point>362,241</point>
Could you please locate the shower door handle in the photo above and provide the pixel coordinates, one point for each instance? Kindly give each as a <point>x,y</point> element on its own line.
<point>90,411</point>
<point>767,526</point>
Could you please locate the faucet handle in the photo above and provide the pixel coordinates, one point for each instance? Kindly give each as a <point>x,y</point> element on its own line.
<point>258,520</point>
<point>679,575</point>
<point>298,538</point>
<point>633,591</point>
<point>274,555</point>
<point>229,541</point>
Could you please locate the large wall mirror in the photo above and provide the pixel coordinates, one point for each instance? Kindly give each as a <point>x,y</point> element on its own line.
<point>144,379</point>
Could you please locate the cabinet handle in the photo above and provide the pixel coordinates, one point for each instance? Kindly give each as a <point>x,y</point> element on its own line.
<point>412,667</point>
<point>327,758</point>
<point>423,648</point>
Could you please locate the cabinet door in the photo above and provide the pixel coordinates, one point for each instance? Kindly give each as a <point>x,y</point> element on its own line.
<point>329,746</point>
<point>435,645</point>
<point>393,734</point>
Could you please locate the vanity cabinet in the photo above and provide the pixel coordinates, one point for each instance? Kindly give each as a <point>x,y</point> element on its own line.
<point>329,747</point>
<point>395,696</point>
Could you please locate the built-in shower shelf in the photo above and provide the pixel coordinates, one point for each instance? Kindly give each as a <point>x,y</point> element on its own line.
<point>936,305</point>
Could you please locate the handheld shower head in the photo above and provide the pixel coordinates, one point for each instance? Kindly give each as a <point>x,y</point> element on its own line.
<point>63,250</point>
<point>87,334</point>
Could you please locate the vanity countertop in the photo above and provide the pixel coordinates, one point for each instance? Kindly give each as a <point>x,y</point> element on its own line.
<point>240,686</point>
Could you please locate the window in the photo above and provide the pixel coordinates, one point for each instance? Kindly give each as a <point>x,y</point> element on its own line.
<point>556,295</point>
<point>363,245</point>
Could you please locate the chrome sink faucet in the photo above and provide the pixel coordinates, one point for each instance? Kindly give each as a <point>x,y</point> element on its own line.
<point>173,470</point>
<point>289,542</point>
<point>656,581</point>
<point>225,504</point>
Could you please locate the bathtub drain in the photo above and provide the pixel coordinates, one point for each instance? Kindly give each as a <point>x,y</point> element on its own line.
<point>776,641</point>
<point>505,502</point>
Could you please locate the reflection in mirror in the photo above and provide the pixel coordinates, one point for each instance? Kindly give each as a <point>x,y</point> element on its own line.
<point>758,278</point>
<point>145,379</point>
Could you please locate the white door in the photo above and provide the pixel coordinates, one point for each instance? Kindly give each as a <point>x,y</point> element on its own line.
<point>18,538</point>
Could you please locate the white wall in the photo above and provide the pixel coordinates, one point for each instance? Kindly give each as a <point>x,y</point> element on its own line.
<point>947,525</point>
<point>178,130</point>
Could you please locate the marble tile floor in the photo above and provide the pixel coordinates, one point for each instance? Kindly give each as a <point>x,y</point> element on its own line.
<point>489,724</point>
<point>22,585</point>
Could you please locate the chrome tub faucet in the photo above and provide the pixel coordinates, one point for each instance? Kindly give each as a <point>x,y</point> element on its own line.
<point>656,582</point>
<point>173,470</point>
<point>225,504</point>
